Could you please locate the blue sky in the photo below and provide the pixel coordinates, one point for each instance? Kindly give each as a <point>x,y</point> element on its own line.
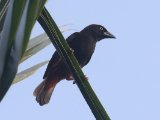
<point>124,72</point>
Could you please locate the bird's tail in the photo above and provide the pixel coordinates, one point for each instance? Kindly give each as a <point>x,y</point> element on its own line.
<point>44,91</point>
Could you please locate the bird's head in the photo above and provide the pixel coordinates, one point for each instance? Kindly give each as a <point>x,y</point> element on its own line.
<point>98,32</point>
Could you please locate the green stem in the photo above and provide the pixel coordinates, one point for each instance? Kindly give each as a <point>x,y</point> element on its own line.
<point>63,49</point>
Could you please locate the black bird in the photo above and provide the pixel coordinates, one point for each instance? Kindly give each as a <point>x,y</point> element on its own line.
<point>83,44</point>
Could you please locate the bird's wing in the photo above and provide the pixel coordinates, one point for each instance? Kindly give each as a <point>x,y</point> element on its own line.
<point>73,41</point>
<point>77,41</point>
<point>54,61</point>
<point>56,58</point>
<point>72,37</point>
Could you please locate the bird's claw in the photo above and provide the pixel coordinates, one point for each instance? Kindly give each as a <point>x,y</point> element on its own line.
<point>86,78</point>
<point>72,51</point>
<point>69,77</point>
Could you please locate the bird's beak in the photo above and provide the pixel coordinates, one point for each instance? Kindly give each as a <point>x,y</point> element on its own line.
<point>109,35</point>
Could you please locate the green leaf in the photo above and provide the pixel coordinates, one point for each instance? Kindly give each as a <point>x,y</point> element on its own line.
<point>28,72</point>
<point>6,42</point>
<point>19,20</point>
<point>3,9</point>
<point>63,49</point>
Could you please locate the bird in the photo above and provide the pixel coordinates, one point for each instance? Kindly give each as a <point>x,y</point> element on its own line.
<point>83,45</point>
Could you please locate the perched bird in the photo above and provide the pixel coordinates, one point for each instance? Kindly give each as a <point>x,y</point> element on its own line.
<point>83,44</point>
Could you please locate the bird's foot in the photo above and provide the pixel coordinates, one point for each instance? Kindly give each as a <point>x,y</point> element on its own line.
<point>71,50</point>
<point>86,78</point>
<point>74,82</point>
<point>69,77</point>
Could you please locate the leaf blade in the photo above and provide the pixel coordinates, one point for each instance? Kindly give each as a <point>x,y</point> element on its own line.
<point>20,18</point>
<point>28,72</point>
<point>36,47</point>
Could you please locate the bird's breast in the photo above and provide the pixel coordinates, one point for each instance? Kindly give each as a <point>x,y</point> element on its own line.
<point>84,52</point>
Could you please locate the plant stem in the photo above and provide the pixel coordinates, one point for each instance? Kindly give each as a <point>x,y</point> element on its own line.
<point>64,51</point>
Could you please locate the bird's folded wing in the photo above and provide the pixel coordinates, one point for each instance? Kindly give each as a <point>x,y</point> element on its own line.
<point>53,62</point>
<point>56,58</point>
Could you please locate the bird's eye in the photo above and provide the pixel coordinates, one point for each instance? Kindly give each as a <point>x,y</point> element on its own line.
<point>101,28</point>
